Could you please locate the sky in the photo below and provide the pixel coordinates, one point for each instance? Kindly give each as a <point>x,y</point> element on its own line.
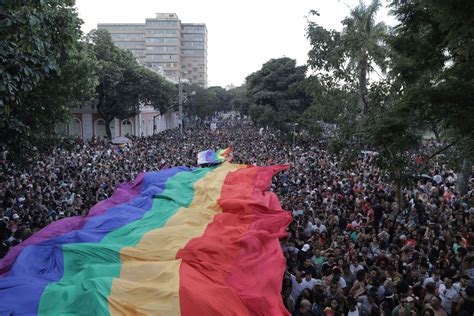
<point>242,34</point>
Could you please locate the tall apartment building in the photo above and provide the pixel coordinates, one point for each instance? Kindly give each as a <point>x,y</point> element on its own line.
<point>164,44</point>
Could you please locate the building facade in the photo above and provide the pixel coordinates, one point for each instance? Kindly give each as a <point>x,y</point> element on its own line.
<point>86,123</point>
<point>164,44</point>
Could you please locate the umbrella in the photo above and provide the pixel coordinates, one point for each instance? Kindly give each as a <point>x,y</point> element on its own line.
<point>121,140</point>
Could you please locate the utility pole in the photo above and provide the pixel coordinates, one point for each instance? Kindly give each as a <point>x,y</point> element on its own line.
<point>294,134</point>
<point>180,103</point>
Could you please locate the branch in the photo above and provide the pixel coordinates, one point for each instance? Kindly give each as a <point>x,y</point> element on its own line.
<point>437,153</point>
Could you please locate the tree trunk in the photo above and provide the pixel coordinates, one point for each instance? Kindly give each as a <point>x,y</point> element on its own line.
<point>400,204</point>
<point>436,133</point>
<point>362,100</point>
<point>462,185</point>
<point>107,130</point>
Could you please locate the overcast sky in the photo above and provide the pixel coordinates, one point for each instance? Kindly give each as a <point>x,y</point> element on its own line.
<point>242,34</point>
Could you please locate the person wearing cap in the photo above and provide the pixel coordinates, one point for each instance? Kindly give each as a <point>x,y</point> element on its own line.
<point>304,253</point>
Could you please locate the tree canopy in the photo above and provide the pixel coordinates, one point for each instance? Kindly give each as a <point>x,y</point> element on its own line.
<point>354,53</point>
<point>44,70</point>
<point>277,92</point>
<point>124,84</point>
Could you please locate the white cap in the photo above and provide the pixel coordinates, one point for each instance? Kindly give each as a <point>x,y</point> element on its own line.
<point>305,248</point>
<point>15,216</point>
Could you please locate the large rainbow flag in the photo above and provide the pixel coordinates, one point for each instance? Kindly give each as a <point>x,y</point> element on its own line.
<point>176,242</point>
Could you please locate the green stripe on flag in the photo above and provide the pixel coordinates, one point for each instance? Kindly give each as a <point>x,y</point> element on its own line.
<point>89,268</point>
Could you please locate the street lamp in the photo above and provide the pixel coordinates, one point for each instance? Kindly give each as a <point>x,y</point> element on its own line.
<point>193,93</point>
<point>294,134</point>
<point>180,104</point>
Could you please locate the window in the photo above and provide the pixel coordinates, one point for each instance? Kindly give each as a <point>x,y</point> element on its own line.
<point>197,29</point>
<point>195,52</point>
<point>194,44</point>
<point>156,65</point>
<point>127,128</point>
<point>162,23</point>
<point>194,37</point>
<point>75,127</point>
<point>162,57</point>
<point>129,35</point>
<point>161,40</point>
<point>129,44</point>
<point>163,48</point>
<point>161,31</point>
<point>99,128</point>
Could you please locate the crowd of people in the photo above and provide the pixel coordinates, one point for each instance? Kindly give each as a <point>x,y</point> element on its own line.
<point>349,250</point>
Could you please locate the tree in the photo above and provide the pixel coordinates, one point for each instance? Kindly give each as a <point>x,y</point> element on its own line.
<point>37,40</point>
<point>155,90</point>
<point>432,62</point>
<point>50,101</point>
<point>277,92</point>
<point>201,102</point>
<point>223,96</point>
<point>240,101</point>
<point>350,55</point>
<point>331,101</point>
<point>34,36</point>
<point>124,85</point>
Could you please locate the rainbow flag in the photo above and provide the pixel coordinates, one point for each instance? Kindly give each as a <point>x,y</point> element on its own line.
<point>179,241</point>
<point>211,156</point>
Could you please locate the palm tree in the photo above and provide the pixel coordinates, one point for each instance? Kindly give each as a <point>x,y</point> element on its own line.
<point>363,42</point>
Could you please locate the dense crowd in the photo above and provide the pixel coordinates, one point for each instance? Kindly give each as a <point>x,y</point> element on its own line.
<point>348,250</point>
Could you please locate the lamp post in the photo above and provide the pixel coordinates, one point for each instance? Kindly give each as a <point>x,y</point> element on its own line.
<point>294,134</point>
<point>193,93</point>
<point>180,103</point>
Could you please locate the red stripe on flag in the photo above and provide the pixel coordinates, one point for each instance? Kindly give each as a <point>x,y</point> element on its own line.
<point>236,267</point>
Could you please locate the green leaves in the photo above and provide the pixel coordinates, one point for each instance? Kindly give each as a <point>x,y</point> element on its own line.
<point>351,55</point>
<point>123,83</point>
<point>277,91</point>
<point>36,38</point>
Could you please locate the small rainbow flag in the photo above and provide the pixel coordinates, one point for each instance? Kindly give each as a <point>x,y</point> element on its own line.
<point>179,241</point>
<point>210,156</point>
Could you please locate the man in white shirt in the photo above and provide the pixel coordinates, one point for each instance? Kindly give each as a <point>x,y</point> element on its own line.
<point>297,285</point>
<point>449,295</point>
<point>319,227</point>
<point>355,266</point>
<point>433,279</point>
<point>309,282</point>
